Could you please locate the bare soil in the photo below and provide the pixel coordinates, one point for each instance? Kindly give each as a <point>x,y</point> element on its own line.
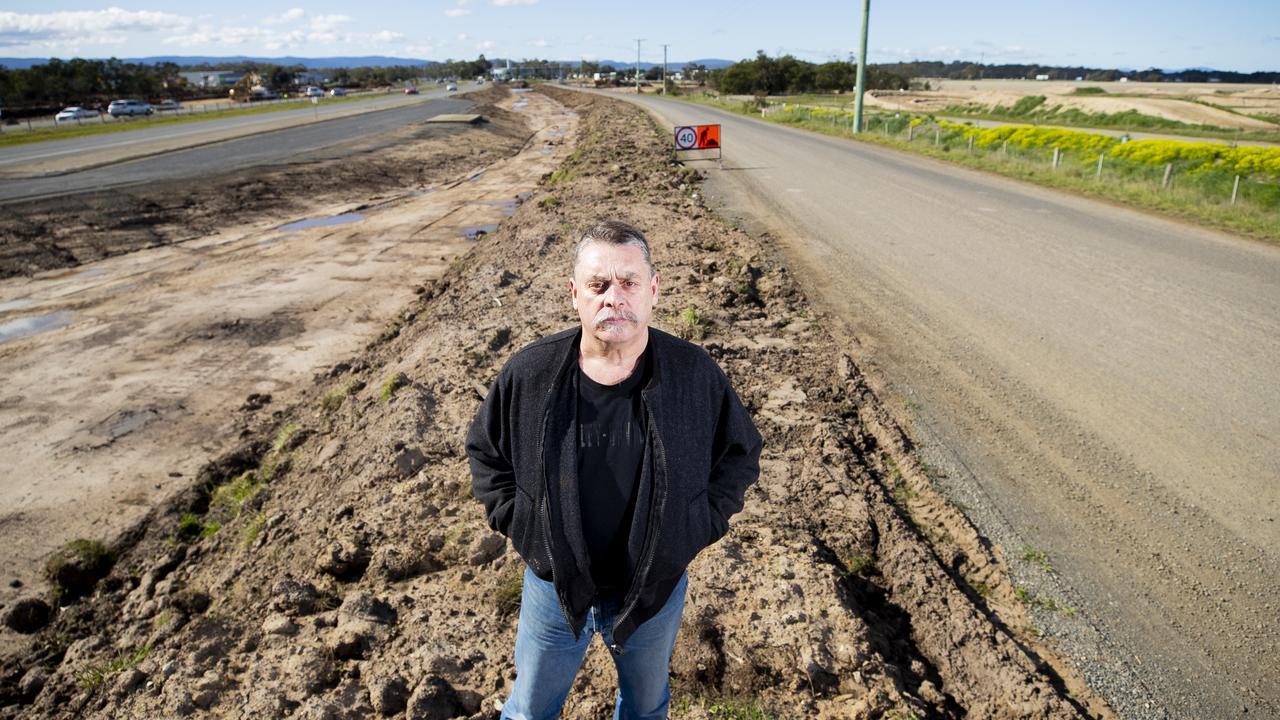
<point>350,574</point>
<point>1238,107</point>
<point>146,358</point>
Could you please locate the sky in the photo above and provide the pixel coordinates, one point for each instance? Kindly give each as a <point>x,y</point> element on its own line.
<point>1240,35</point>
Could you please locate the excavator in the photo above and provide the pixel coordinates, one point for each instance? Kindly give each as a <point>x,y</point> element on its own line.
<point>250,88</point>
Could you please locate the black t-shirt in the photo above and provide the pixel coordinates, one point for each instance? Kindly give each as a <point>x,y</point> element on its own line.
<point>611,444</point>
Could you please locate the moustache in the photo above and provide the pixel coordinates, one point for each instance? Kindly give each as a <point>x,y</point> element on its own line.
<point>604,316</point>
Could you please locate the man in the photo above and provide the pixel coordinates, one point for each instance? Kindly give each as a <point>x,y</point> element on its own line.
<point>610,454</point>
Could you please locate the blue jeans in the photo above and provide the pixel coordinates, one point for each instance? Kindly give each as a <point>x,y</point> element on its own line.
<point>548,656</point>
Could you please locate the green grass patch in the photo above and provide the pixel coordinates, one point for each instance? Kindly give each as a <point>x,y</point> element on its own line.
<point>510,588</point>
<point>92,676</point>
<point>333,399</point>
<point>394,382</point>
<point>228,498</point>
<point>860,564</point>
<point>19,135</point>
<point>690,325</point>
<point>1089,90</point>
<point>1038,557</point>
<point>549,202</point>
<point>250,532</point>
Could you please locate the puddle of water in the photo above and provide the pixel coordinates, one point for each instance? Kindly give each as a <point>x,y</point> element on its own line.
<point>127,421</point>
<point>420,193</point>
<point>521,197</point>
<point>342,219</point>
<point>570,113</point>
<point>15,304</point>
<point>34,325</point>
<point>479,231</point>
<point>122,288</point>
<point>475,177</point>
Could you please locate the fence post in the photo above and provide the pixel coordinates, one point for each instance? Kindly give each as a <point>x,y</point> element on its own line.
<point>911,132</point>
<point>935,136</point>
<point>1098,175</point>
<point>28,124</point>
<point>970,144</point>
<point>1004,148</point>
<point>1235,188</point>
<point>1056,154</point>
<point>1168,171</point>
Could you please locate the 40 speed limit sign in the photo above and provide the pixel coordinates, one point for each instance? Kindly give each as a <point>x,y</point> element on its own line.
<point>699,137</point>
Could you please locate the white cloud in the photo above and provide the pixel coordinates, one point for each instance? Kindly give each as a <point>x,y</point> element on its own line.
<point>328,23</point>
<point>82,26</point>
<point>541,43</point>
<point>386,36</point>
<point>456,12</point>
<point>288,16</point>
<point>509,3</point>
<point>486,45</point>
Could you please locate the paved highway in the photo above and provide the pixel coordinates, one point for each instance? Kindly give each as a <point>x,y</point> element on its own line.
<point>297,135</point>
<point>1098,384</point>
<point>30,158</point>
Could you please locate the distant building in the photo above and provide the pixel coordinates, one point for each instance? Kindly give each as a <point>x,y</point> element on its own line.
<point>1042,77</point>
<point>210,78</point>
<point>311,77</point>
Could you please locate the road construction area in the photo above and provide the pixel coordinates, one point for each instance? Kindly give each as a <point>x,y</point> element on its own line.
<point>127,371</point>
<point>254,388</point>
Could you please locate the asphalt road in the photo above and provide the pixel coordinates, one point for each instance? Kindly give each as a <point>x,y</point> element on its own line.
<point>206,151</point>
<point>1093,382</point>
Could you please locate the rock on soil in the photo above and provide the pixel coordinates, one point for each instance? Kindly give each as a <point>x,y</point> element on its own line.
<point>355,588</point>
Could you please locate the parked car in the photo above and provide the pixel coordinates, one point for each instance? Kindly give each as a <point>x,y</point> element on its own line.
<point>74,113</point>
<point>451,87</point>
<point>118,108</point>
<point>168,104</point>
<point>411,90</point>
<point>337,92</point>
<point>314,91</point>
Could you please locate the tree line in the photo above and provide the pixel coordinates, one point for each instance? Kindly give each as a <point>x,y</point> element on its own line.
<point>964,70</point>
<point>786,75</point>
<point>78,81</point>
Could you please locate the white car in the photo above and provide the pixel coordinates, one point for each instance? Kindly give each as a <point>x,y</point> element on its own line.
<point>337,92</point>
<point>314,91</point>
<point>451,87</point>
<point>128,107</point>
<point>168,104</point>
<point>74,114</point>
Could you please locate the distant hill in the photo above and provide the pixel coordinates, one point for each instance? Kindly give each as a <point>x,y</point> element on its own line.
<point>340,62</point>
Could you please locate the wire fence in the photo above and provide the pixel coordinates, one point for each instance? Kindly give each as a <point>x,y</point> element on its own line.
<point>1189,181</point>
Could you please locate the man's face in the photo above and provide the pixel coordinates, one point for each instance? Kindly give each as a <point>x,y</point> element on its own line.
<point>613,292</point>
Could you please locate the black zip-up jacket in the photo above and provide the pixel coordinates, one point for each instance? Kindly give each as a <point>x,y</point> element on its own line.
<point>701,455</point>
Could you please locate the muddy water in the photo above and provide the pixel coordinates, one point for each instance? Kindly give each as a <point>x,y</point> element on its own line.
<point>122,378</point>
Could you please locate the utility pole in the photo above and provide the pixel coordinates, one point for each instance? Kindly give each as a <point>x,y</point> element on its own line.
<point>638,41</point>
<point>861,87</point>
<point>664,68</point>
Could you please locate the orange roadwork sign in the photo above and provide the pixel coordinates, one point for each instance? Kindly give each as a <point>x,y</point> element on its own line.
<point>698,137</point>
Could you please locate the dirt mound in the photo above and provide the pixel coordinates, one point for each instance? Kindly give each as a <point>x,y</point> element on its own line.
<point>67,231</point>
<point>336,566</point>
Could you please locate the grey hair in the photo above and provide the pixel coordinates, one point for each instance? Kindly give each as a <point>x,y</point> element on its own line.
<point>614,232</point>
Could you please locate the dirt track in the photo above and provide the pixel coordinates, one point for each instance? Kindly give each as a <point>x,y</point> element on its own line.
<point>345,571</point>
